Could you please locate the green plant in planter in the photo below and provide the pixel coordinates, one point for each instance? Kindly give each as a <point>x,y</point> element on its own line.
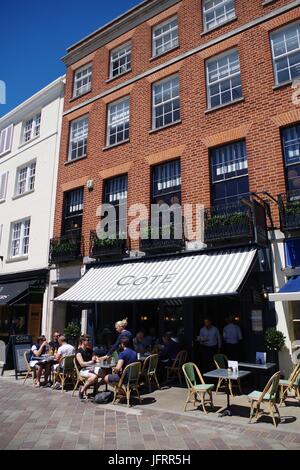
<point>274,339</point>
<point>158,232</point>
<point>109,242</point>
<point>235,218</point>
<point>65,247</point>
<point>72,332</point>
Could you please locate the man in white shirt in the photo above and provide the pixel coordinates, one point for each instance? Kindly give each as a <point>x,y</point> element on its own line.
<point>210,341</point>
<point>232,336</point>
<point>63,351</point>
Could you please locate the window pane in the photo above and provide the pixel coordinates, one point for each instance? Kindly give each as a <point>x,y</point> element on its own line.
<point>166,103</point>
<point>286,53</point>
<point>216,12</point>
<point>78,138</point>
<point>224,79</point>
<point>165,37</point>
<point>120,60</point>
<point>118,122</point>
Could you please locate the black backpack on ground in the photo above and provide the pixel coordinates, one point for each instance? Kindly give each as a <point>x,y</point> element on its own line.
<point>103,398</point>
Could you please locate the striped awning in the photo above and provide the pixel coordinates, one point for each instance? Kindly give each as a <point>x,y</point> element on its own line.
<point>199,275</point>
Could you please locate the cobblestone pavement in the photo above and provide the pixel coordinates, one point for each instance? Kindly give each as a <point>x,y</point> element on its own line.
<point>33,418</point>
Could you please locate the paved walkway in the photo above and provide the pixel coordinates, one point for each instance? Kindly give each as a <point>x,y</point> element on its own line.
<point>33,418</point>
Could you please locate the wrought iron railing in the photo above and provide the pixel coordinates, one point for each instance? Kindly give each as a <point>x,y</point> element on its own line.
<point>65,248</point>
<point>106,247</point>
<point>164,239</point>
<point>240,222</point>
<point>289,209</point>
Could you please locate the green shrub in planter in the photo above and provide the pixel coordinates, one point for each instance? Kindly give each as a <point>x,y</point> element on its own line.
<point>72,333</point>
<point>274,339</point>
<point>236,218</point>
<point>65,247</point>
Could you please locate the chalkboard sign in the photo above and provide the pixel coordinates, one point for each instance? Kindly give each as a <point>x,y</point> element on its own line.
<point>20,344</point>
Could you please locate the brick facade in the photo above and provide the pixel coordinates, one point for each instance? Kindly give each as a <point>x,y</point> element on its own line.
<point>257,119</point>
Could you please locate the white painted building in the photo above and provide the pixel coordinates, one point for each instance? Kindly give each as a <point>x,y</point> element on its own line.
<point>29,154</point>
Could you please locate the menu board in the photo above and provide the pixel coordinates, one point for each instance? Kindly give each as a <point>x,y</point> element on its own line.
<point>20,344</point>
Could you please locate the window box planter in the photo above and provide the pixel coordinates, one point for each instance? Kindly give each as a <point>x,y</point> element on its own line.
<point>107,247</point>
<point>64,249</point>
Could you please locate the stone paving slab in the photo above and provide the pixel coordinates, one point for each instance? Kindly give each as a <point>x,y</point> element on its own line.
<point>33,418</point>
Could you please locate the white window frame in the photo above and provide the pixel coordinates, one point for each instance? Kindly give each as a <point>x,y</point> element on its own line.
<point>119,121</point>
<point>82,141</point>
<point>21,236</point>
<point>81,89</point>
<point>6,137</point>
<point>29,171</point>
<point>218,21</point>
<point>154,106</point>
<point>220,80</point>
<point>3,185</point>
<point>31,128</point>
<point>173,42</point>
<point>286,54</point>
<point>119,52</point>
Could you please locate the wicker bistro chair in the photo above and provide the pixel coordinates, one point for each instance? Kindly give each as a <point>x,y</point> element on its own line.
<point>176,368</point>
<point>268,396</point>
<point>195,389</point>
<point>79,378</point>
<point>66,372</point>
<point>132,373</point>
<point>221,362</point>
<point>30,370</point>
<point>149,370</point>
<point>291,385</point>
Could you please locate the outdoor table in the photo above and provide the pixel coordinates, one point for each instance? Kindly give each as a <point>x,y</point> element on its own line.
<point>255,368</point>
<point>224,374</point>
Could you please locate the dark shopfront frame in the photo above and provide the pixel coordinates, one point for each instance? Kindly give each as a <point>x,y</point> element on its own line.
<point>25,304</point>
<point>194,310</point>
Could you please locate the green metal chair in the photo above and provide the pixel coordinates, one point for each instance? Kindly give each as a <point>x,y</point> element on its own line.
<point>66,371</point>
<point>149,370</point>
<point>132,373</point>
<point>221,362</point>
<point>291,385</point>
<point>195,389</point>
<point>268,396</point>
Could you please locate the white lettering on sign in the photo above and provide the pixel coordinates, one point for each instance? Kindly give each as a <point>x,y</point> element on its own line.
<point>153,279</point>
<point>3,297</point>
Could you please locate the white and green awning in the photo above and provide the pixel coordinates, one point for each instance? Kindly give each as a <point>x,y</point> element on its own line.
<point>211,273</point>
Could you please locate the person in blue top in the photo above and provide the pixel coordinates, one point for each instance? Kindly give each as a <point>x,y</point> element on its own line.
<point>122,332</point>
<point>127,356</point>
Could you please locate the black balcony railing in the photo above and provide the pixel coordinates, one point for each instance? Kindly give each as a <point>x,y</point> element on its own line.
<point>65,248</point>
<point>107,247</point>
<point>289,208</point>
<point>162,240</point>
<point>243,222</point>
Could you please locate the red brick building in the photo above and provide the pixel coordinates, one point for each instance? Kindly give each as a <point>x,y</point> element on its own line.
<point>185,101</point>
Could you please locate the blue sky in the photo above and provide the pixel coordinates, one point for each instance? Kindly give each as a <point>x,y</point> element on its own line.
<point>34,35</point>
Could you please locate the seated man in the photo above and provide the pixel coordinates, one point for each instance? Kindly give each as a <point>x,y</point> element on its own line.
<point>37,350</point>
<point>64,350</point>
<point>86,360</point>
<point>54,344</point>
<point>127,356</point>
<point>140,343</point>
